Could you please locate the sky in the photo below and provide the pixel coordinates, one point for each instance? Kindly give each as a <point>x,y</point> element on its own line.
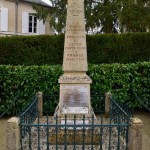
<point>47,2</point>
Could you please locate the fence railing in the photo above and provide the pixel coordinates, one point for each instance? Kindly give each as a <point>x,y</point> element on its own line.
<point>75,132</point>
<point>28,116</point>
<point>114,130</point>
<point>119,114</point>
<point>45,134</point>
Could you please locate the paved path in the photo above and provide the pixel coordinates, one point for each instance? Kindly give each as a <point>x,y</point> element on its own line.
<point>143,115</point>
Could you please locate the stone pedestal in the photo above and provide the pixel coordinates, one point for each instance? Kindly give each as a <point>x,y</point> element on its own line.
<point>74,94</point>
<point>79,137</point>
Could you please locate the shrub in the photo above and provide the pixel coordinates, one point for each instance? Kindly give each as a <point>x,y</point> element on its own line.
<point>101,48</point>
<point>119,79</point>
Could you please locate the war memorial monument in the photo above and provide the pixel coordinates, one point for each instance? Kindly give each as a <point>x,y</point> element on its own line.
<point>74,83</point>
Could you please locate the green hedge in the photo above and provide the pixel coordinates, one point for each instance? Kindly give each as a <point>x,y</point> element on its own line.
<point>31,50</point>
<point>116,78</point>
<point>118,48</point>
<point>102,48</point>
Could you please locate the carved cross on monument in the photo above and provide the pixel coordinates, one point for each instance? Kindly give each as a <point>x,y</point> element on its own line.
<point>74,83</point>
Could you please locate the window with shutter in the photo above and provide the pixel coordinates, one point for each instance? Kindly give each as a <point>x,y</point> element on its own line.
<point>31,25</point>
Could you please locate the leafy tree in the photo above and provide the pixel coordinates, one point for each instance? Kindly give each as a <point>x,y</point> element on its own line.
<point>102,16</point>
<point>134,16</point>
<point>56,14</point>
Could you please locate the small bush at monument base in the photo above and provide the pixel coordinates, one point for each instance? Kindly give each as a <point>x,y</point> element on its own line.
<point>26,81</point>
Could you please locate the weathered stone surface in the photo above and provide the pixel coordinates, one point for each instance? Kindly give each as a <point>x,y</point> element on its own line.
<point>74,83</point>
<point>107,104</point>
<point>75,53</point>
<point>74,95</point>
<point>75,110</point>
<point>40,103</point>
<point>135,134</point>
<point>14,121</point>
<point>88,136</point>
<point>74,78</point>
<point>13,134</point>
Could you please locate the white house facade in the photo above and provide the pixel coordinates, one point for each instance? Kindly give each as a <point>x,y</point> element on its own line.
<point>17,18</point>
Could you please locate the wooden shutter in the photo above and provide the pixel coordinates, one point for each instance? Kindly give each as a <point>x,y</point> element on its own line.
<point>4,19</point>
<point>41,27</point>
<point>25,22</point>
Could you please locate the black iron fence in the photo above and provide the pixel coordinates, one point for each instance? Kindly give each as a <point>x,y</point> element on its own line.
<point>119,112</point>
<point>28,116</point>
<point>80,131</point>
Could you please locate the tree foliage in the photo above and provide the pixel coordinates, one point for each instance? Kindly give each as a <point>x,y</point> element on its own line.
<point>103,16</point>
<point>135,16</point>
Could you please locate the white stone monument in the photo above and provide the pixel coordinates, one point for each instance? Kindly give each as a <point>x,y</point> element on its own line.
<point>74,83</point>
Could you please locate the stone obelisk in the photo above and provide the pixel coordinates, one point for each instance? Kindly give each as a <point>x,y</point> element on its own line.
<point>74,83</point>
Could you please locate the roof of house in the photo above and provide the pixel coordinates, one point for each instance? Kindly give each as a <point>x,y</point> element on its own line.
<point>42,2</point>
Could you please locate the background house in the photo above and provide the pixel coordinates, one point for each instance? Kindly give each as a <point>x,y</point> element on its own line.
<point>16,18</point>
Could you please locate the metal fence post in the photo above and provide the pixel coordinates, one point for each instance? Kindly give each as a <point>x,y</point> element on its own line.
<point>107,104</point>
<point>40,104</point>
<point>12,134</point>
<point>135,134</point>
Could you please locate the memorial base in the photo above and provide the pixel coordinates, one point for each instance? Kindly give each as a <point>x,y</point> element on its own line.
<point>78,118</point>
<point>69,137</point>
<point>74,94</point>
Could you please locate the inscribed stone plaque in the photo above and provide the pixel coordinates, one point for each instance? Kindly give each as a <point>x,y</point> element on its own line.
<point>74,96</point>
<point>75,110</point>
<point>77,122</point>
